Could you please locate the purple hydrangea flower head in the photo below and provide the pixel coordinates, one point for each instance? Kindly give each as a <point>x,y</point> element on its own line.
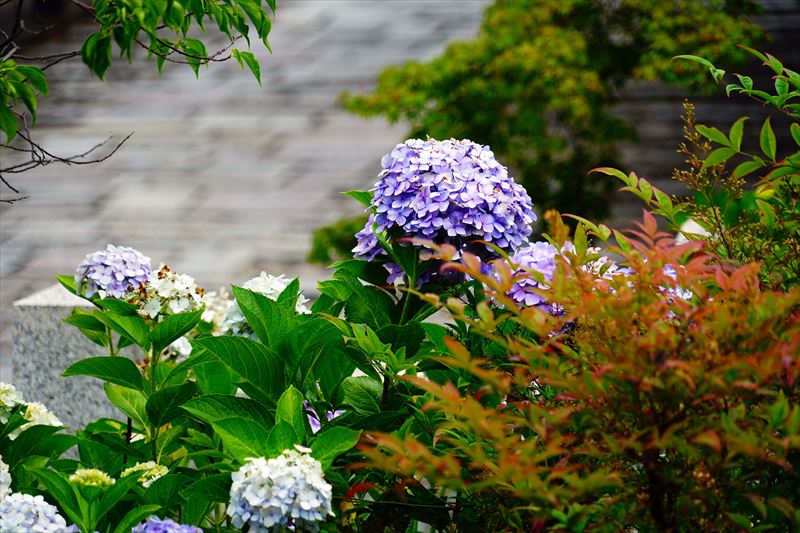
<point>538,257</point>
<point>447,192</point>
<point>680,292</point>
<point>112,271</point>
<point>155,524</point>
<point>314,419</point>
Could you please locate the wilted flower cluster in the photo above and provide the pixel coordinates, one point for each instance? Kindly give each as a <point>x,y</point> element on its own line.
<point>166,292</point>
<point>271,494</point>
<point>447,192</point>
<point>91,477</point>
<point>150,471</point>
<point>113,271</point>
<point>5,479</point>
<point>23,512</point>
<point>268,285</point>
<point>155,524</point>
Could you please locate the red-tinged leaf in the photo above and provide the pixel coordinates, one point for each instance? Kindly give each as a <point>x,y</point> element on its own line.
<point>358,488</point>
<point>758,502</point>
<point>709,438</point>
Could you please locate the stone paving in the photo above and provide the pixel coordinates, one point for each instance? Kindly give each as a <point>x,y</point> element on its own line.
<point>222,178</point>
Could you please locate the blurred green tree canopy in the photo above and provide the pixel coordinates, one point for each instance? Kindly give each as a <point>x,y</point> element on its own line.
<point>538,81</point>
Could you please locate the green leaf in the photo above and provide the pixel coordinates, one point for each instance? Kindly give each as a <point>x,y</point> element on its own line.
<point>28,443</point>
<point>89,326</point>
<point>60,489</point>
<point>251,361</point>
<point>696,59</point>
<point>795,131</point>
<point>134,516</point>
<point>767,140</point>
<point>746,168</point>
<point>131,326</point>
<point>115,493</point>
<point>333,442</point>
<point>247,58</point>
<point>362,197</point>
<point>268,318</point>
<point>163,490</point>
<point>720,155</point>
<point>213,407</point>
<point>68,282</point>
<point>363,394</point>
<point>214,488</point>
<point>172,328</point>
<point>35,77</point>
<point>290,410</point>
<point>242,438</point>
<point>713,134</point>
<point>130,402</point>
<point>165,405</point>
<point>96,53</point>
<point>308,347</point>
<point>8,121</point>
<point>281,438</point>
<point>113,369</point>
<point>735,134</point>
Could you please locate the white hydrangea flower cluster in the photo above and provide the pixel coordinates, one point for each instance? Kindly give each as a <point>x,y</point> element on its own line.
<point>268,285</point>
<point>150,471</point>
<point>217,304</point>
<point>23,512</point>
<point>5,479</point>
<point>285,492</point>
<point>166,292</point>
<point>36,413</point>
<point>9,398</point>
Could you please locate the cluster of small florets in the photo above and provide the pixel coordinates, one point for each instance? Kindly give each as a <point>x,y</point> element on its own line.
<point>268,495</point>
<point>23,512</point>
<point>451,192</point>
<point>91,477</point>
<point>155,524</point>
<point>10,397</point>
<point>112,272</point>
<point>5,479</point>
<point>166,292</point>
<point>268,285</point>
<point>217,305</point>
<point>35,413</point>
<point>150,471</point>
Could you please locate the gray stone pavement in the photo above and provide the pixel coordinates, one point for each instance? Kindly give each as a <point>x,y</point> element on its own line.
<point>222,178</point>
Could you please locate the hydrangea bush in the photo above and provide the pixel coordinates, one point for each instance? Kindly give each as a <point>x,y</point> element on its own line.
<point>594,380</point>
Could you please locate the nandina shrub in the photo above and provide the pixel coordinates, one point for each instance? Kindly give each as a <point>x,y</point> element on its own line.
<point>658,399</point>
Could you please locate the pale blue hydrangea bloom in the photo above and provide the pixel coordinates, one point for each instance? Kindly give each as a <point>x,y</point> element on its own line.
<point>5,479</point>
<point>112,271</point>
<point>452,192</point>
<point>155,524</point>
<point>23,512</point>
<point>285,492</point>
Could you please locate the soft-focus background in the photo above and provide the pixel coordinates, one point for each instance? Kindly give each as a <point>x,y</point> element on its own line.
<point>223,179</point>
